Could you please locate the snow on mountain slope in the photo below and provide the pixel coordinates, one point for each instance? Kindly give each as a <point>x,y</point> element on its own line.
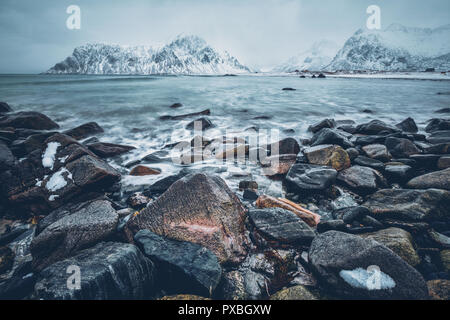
<point>314,59</point>
<point>397,48</point>
<point>185,55</point>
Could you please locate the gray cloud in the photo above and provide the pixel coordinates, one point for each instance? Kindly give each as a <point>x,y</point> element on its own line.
<point>259,32</point>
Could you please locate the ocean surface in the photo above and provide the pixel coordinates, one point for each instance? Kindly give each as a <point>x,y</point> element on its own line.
<point>129,107</point>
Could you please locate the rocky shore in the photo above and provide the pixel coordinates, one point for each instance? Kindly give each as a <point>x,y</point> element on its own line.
<point>365,215</point>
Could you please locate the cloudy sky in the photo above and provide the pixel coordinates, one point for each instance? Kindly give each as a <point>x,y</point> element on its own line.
<point>260,33</point>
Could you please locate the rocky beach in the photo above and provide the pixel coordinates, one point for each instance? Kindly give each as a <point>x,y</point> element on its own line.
<point>362,210</point>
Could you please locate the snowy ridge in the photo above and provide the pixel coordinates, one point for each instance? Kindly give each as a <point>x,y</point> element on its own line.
<point>317,58</point>
<point>184,55</point>
<point>397,48</point>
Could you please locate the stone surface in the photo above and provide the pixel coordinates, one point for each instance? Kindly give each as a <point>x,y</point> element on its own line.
<point>445,258</point>
<point>443,162</point>
<point>362,180</point>
<point>400,147</point>
<point>78,230</point>
<point>144,171</point>
<point>306,177</point>
<point>408,125</point>
<point>6,157</point>
<point>436,180</point>
<point>201,209</point>
<point>6,259</point>
<point>281,225</point>
<point>346,264</point>
<point>368,162</point>
<point>398,173</point>
<point>4,107</point>
<point>181,266</point>
<point>279,164</point>
<point>84,131</point>
<point>327,123</point>
<point>438,125</point>
<point>377,152</point>
<point>439,137</point>
<point>328,155</point>
<point>107,150</point>
<point>439,289</point>
<point>202,123</point>
<point>110,270</point>
<point>331,136</point>
<point>375,127</point>
<point>409,205</point>
<point>399,241</point>
<point>28,120</point>
<point>285,146</point>
<point>294,293</point>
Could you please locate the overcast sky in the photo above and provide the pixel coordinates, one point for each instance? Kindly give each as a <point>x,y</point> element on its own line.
<point>259,33</point>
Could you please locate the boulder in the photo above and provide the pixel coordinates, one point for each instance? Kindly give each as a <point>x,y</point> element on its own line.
<point>362,180</point>
<point>138,201</point>
<point>377,152</point>
<point>438,125</point>
<point>198,208</point>
<point>445,258</point>
<point>6,157</point>
<point>73,232</point>
<point>161,186</point>
<point>206,112</point>
<point>375,127</point>
<point>84,131</point>
<point>439,289</point>
<point>399,241</point>
<point>441,148</point>
<point>398,173</point>
<point>6,259</point>
<point>435,180</point>
<point>310,178</point>
<point>144,171</point>
<point>250,195</point>
<point>176,105</point>
<point>281,226</point>
<point>351,214</point>
<point>4,107</point>
<point>327,123</point>
<point>107,150</point>
<point>278,165</point>
<point>408,125</point>
<point>331,136</point>
<point>202,123</point>
<point>285,146</point>
<point>181,266</point>
<point>294,293</point>
<point>28,120</point>
<point>246,184</point>
<point>400,147</point>
<point>108,271</point>
<point>328,155</point>
<point>439,137</point>
<point>357,268</point>
<point>409,205</point>
<point>443,162</point>
<point>368,162</point>
<point>353,153</point>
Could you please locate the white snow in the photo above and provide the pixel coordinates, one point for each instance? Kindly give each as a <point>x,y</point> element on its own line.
<point>63,159</point>
<point>371,278</point>
<point>57,180</point>
<point>53,197</point>
<point>48,158</point>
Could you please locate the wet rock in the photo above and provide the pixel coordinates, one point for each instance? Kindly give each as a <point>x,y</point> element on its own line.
<point>439,239</point>
<point>206,112</point>
<point>354,267</point>
<point>143,171</point>
<point>426,161</point>
<point>162,185</point>
<point>399,241</point>
<point>436,180</point>
<point>294,293</point>
<point>246,184</point>
<point>152,158</point>
<point>368,162</point>
<point>190,267</point>
<point>250,195</point>
<point>331,136</point>
<point>201,209</point>
<point>362,180</point>
<point>328,155</point>
<point>108,150</point>
<point>377,152</point>
<point>438,125</point>
<point>28,120</point>
<point>289,89</point>
<point>138,201</point>
<point>398,173</point>
<point>109,270</point>
<point>23,147</point>
<point>399,147</point>
<point>439,289</point>
<point>285,146</point>
<point>202,124</point>
<point>367,140</point>
<point>6,259</point>
<point>4,107</point>
<point>327,123</point>
<point>306,177</point>
<point>443,162</point>
<point>184,297</point>
<point>353,153</point>
<point>445,258</point>
<point>176,105</point>
<point>281,226</point>
<point>443,110</point>
<point>409,205</point>
<point>351,214</point>
<point>279,164</point>
<point>6,157</point>
<point>375,127</point>
<point>84,131</point>
<point>321,76</point>
<point>73,232</point>
<point>439,137</point>
<point>329,225</point>
<point>408,125</point>
<point>233,287</point>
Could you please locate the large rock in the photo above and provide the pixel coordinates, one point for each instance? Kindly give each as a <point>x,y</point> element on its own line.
<point>362,180</point>
<point>444,162</point>
<point>439,137</point>
<point>84,131</point>
<point>401,148</point>
<point>28,120</point>
<point>285,146</point>
<point>310,178</point>
<point>399,241</point>
<point>107,150</point>
<point>398,172</point>
<point>110,270</point>
<point>328,155</point>
<point>181,266</point>
<point>4,107</point>
<point>438,125</point>
<point>73,232</point>
<point>6,157</point>
<point>375,127</point>
<point>368,162</point>
<point>201,209</point>
<point>161,186</point>
<point>354,267</point>
<point>327,123</point>
<point>202,123</point>
<point>378,152</point>
<point>436,180</point>
<point>439,289</point>
<point>408,125</point>
<point>281,226</point>
<point>331,136</point>
<point>409,205</point>
<point>294,293</point>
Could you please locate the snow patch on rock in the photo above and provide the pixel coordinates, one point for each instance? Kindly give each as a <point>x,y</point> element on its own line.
<point>57,180</point>
<point>369,279</point>
<point>48,158</point>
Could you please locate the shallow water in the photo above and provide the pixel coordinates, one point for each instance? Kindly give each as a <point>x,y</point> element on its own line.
<point>129,107</point>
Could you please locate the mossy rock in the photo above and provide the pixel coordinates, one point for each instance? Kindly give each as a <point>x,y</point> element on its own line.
<point>294,293</point>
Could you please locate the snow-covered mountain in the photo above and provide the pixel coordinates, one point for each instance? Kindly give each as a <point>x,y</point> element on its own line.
<point>314,59</point>
<point>397,48</point>
<point>185,55</point>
